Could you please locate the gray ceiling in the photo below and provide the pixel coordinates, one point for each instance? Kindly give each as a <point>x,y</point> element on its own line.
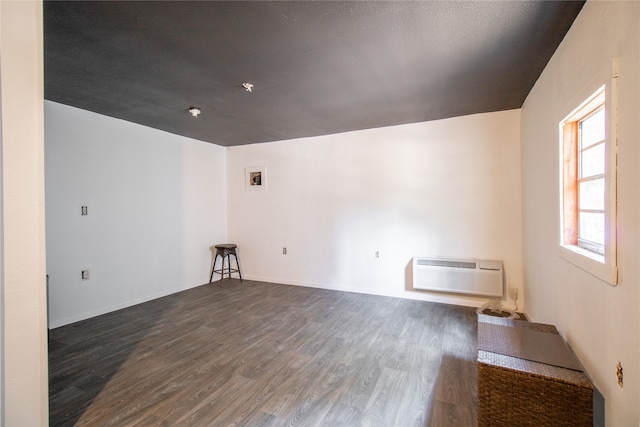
<point>317,67</point>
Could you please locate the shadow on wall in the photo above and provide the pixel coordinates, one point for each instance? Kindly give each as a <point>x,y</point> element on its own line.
<point>408,276</point>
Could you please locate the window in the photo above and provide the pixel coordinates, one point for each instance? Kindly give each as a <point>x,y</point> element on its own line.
<point>588,188</point>
<point>591,162</point>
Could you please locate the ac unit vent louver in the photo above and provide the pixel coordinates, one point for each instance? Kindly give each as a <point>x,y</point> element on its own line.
<point>446,263</point>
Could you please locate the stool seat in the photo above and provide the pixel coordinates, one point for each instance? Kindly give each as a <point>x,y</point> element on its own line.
<point>226,246</point>
<point>225,250</point>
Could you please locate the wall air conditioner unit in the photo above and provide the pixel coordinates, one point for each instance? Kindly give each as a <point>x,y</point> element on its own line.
<point>461,276</point>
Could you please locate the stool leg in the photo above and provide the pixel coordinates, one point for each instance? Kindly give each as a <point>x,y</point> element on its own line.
<point>229,264</point>
<point>213,268</point>
<point>238,267</point>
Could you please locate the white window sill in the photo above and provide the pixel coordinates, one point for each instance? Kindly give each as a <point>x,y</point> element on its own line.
<point>590,262</point>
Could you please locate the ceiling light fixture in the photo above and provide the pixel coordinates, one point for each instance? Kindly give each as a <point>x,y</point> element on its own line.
<point>247,86</point>
<point>194,111</point>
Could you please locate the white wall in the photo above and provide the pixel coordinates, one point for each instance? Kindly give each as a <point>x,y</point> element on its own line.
<point>156,204</point>
<point>24,348</point>
<point>601,322</point>
<point>448,187</point>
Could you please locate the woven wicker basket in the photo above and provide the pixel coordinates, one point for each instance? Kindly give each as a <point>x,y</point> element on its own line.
<point>514,391</point>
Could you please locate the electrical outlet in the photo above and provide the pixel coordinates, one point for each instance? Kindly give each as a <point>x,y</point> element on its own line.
<point>513,293</point>
<point>85,274</point>
<point>284,251</point>
<point>377,254</point>
<point>619,374</point>
<point>84,211</point>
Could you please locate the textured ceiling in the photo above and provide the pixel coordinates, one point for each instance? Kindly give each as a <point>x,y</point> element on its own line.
<point>317,67</point>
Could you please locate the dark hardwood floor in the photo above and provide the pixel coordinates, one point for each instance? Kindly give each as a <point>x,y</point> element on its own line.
<point>260,354</point>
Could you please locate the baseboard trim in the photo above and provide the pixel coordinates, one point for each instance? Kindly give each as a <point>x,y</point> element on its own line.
<point>467,301</point>
<point>56,323</point>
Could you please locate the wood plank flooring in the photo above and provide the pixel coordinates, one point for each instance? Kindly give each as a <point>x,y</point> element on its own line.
<point>260,354</point>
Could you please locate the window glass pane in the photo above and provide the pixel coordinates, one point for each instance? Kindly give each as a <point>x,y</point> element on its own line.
<point>591,227</point>
<point>592,129</point>
<point>592,161</point>
<point>591,194</point>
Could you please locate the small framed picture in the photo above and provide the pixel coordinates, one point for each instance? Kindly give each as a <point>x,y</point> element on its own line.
<point>256,178</point>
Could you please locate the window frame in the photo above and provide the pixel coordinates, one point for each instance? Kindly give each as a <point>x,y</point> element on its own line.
<point>582,242</point>
<point>602,266</point>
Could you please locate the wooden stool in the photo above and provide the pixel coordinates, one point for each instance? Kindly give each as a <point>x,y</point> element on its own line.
<point>223,251</point>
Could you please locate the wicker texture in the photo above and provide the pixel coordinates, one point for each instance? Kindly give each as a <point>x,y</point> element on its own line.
<point>514,391</point>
